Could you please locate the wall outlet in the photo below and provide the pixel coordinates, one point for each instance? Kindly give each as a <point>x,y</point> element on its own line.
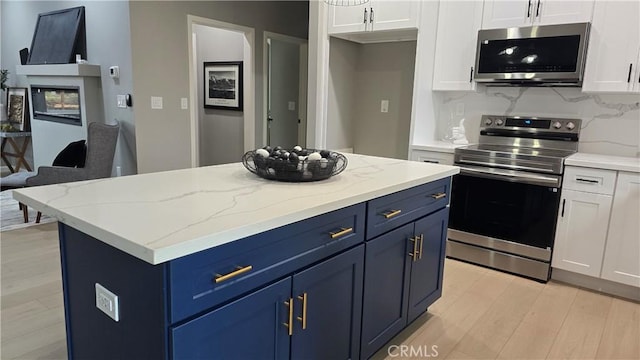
<point>184,103</point>
<point>384,106</point>
<point>122,101</point>
<point>107,302</point>
<point>156,102</point>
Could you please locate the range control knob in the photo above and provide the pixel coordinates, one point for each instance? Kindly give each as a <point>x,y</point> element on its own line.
<point>571,125</point>
<point>557,125</point>
<point>488,122</point>
<point>499,122</point>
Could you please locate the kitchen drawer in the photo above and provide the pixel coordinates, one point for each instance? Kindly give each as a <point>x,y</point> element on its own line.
<point>394,210</point>
<point>248,263</point>
<point>596,181</point>
<point>433,157</point>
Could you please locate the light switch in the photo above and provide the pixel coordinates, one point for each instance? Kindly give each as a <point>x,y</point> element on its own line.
<point>292,105</point>
<point>156,102</point>
<point>184,103</point>
<point>384,106</point>
<point>122,101</point>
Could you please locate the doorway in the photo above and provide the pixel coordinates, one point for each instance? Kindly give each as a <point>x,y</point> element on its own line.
<point>285,67</point>
<point>220,136</point>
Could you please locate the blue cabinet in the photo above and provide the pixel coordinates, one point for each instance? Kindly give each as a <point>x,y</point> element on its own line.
<point>314,289</point>
<point>404,269</point>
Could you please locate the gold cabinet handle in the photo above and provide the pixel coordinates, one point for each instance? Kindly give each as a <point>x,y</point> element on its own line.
<point>289,325</point>
<point>392,213</point>
<point>414,254</point>
<point>303,318</point>
<point>438,195</point>
<point>421,244</point>
<point>239,270</point>
<point>343,231</point>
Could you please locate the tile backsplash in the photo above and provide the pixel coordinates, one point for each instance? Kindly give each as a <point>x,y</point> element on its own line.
<point>610,123</point>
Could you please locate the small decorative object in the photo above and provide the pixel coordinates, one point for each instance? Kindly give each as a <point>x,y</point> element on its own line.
<point>4,74</point>
<point>223,85</point>
<point>458,134</point>
<point>295,165</point>
<point>17,108</point>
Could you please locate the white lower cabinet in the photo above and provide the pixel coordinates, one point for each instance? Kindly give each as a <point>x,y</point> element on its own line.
<point>622,253</point>
<point>434,157</point>
<point>581,233</point>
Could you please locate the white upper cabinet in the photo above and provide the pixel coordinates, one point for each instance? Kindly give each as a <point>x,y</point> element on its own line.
<point>614,43</point>
<point>457,34</point>
<point>516,13</point>
<point>622,254</point>
<point>376,15</point>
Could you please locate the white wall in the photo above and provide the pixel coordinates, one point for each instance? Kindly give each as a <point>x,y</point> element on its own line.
<point>221,131</point>
<point>342,94</point>
<point>610,123</point>
<point>160,38</point>
<point>108,44</point>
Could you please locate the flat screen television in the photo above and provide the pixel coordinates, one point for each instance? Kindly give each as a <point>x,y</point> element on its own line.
<point>58,37</point>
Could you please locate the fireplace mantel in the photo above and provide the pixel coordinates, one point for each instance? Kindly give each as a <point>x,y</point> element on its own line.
<point>89,70</point>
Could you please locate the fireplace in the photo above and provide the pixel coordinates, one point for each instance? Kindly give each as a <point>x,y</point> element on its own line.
<point>58,104</point>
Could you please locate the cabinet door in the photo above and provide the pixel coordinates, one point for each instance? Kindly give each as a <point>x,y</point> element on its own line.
<point>393,15</point>
<point>613,47</point>
<point>432,157</point>
<point>384,311</point>
<point>509,13</point>
<point>622,253</point>
<point>348,19</point>
<point>549,12</point>
<point>581,232</point>
<point>426,270</point>
<point>458,25</point>
<point>248,328</point>
<point>333,309</point>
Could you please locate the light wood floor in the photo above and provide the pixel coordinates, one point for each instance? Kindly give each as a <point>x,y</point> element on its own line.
<point>483,314</point>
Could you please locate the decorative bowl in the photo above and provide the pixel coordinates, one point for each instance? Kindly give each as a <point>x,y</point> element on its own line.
<point>304,165</point>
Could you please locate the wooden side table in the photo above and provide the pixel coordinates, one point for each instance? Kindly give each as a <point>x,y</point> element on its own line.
<point>18,152</point>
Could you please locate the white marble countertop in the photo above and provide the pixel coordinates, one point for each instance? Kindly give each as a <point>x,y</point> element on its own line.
<point>162,216</point>
<point>438,146</point>
<point>608,162</point>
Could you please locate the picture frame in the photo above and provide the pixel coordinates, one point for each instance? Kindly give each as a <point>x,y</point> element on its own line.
<point>18,108</point>
<point>223,85</point>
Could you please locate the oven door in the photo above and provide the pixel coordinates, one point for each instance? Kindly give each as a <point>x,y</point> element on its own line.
<point>506,210</point>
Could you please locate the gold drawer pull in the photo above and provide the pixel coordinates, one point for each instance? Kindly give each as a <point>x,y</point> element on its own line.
<point>303,319</point>
<point>421,245</point>
<point>414,254</point>
<point>438,195</point>
<point>239,270</point>
<point>343,231</point>
<point>289,325</point>
<point>392,213</point>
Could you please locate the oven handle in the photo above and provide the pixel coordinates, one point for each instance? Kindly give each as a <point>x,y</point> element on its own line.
<point>512,176</point>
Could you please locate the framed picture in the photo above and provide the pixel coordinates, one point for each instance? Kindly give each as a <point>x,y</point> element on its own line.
<point>18,108</point>
<point>223,85</point>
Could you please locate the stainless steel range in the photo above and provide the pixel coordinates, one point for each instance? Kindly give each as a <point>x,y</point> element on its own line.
<point>505,201</point>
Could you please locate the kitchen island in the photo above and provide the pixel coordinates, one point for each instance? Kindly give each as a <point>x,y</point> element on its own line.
<point>216,262</point>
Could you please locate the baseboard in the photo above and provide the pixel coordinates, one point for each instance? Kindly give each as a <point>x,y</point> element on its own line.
<point>345,150</point>
<point>596,284</point>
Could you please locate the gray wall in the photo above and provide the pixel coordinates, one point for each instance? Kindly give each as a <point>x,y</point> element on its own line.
<point>285,83</point>
<point>220,131</point>
<point>159,39</point>
<point>108,44</point>
<point>360,77</point>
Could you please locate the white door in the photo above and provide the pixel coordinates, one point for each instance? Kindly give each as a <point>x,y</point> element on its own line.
<point>581,232</point>
<point>458,25</point>
<point>548,12</point>
<point>348,19</point>
<point>392,15</point>
<point>622,253</point>
<point>283,93</point>
<point>613,47</point>
<point>507,13</point>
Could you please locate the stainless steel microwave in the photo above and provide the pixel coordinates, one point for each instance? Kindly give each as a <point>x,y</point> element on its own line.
<point>547,55</point>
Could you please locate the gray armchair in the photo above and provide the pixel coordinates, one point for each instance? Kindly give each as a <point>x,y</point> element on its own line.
<point>101,146</point>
